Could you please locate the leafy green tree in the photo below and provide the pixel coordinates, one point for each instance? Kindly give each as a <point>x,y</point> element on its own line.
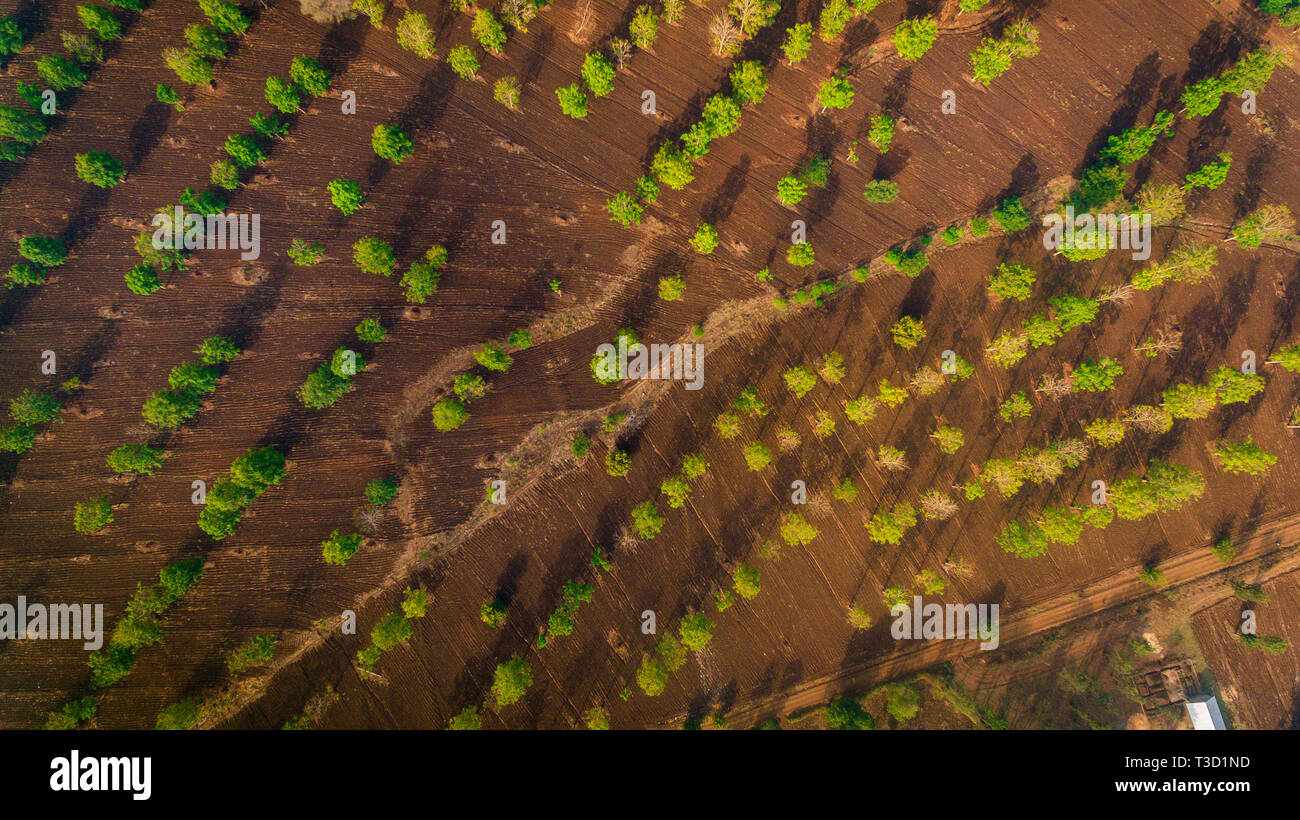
<point>647,521</point>
<point>346,195</point>
<point>100,22</point>
<point>888,527</point>
<point>17,438</point>
<point>415,35</point>
<point>791,190</point>
<point>1190,401</point>
<point>449,413</point>
<point>30,407</point>
<point>224,174</point>
<point>466,719</point>
<point>908,332</point>
<point>800,254</point>
<point>135,458</point>
<point>882,132</point>
<point>598,74</point>
<point>800,380</point>
<point>705,239</point>
<point>12,35</point>
<point>1013,281</point>
<point>60,73</point>
<point>1210,175</point>
<point>1097,375</point>
<point>488,31</point>
<point>1224,550</point>
<point>323,388</point>
<point>1203,98</point>
<point>309,75</point>
<point>695,631</point>
<point>1234,387</point>
<point>749,82</point>
<point>421,280</point>
<point>20,126</point>
<point>1244,457</point>
<point>835,15</point>
<point>372,9</point>
<point>845,713</point>
<point>373,255</point>
<point>880,190</point>
<point>798,43</point>
<point>189,66</point>
<point>950,439</point>
<point>205,41</point>
<point>837,92</point>
<point>913,38</point>
<point>995,54</point>
<point>381,491</point>
<point>493,357</point>
<point>1270,223</point>
<point>624,209</point>
<point>1252,72</point>
<point>99,169</point>
<point>745,581</point>
<point>225,16</point>
<point>507,91</point>
<point>1287,357</point>
<point>463,62</point>
<point>391,143</point>
<point>573,102</point>
<point>21,274</point>
<point>45,251</point>
<point>510,681</point>
<point>1010,214</point>
<point>245,151</point>
<point>92,516</point>
<point>305,253</point>
<point>74,712</point>
<point>672,167</point>
<point>252,653</point>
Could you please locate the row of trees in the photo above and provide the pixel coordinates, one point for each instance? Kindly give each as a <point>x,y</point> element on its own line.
<point>250,475</point>
<point>397,627</point>
<point>19,130</point>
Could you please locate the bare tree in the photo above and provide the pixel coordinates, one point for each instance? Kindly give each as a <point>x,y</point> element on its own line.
<point>1118,295</point>
<point>1056,387</point>
<point>958,568</point>
<point>1167,341</point>
<point>891,458</point>
<point>581,22</point>
<point>927,380</point>
<point>621,50</point>
<point>725,36</point>
<point>937,505</point>
<point>1149,419</point>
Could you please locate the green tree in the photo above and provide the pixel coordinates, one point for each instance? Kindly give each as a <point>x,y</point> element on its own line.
<point>507,91</point>
<point>745,581</point>
<point>381,491</point>
<point>800,254</point>
<point>309,75</point>
<point>463,62</point>
<point>624,209</point>
<point>1010,214</point>
<point>913,38</point>
<point>1243,457</point>
<point>92,516</point>
<point>799,380</point>
<point>1210,175</point>
<point>647,521</point>
<point>1097,375</point>
<point>415,35</point>
<point>99,169</point>
<point>135,458</point>
<point>225,15</point>
<point>908,332</point>
<point>449,413</point>
<point>489,32</point>
<point>391,143</point>
<point>798,42</point>
<point>845,713</point>
<point>705,239</point>
<point>30,407</point>
<point>60,73</point>
<point>100,22</point>
<point>1270,223</point>
<point>252,653</point>
<point>749,82</point>
<point>1013,281</point>
<point>598,74</point>
<point>510,681</point>
<point>245,151</point>
<point>573,102</point>
<point>346,195</point>
<point>373,255</point>
<point>45,251</point>
<point>880,190</point>
<point>837,92</point>
<point>695,631</point>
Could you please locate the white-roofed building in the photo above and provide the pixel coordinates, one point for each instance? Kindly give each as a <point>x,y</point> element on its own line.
<point>1205,714</point>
